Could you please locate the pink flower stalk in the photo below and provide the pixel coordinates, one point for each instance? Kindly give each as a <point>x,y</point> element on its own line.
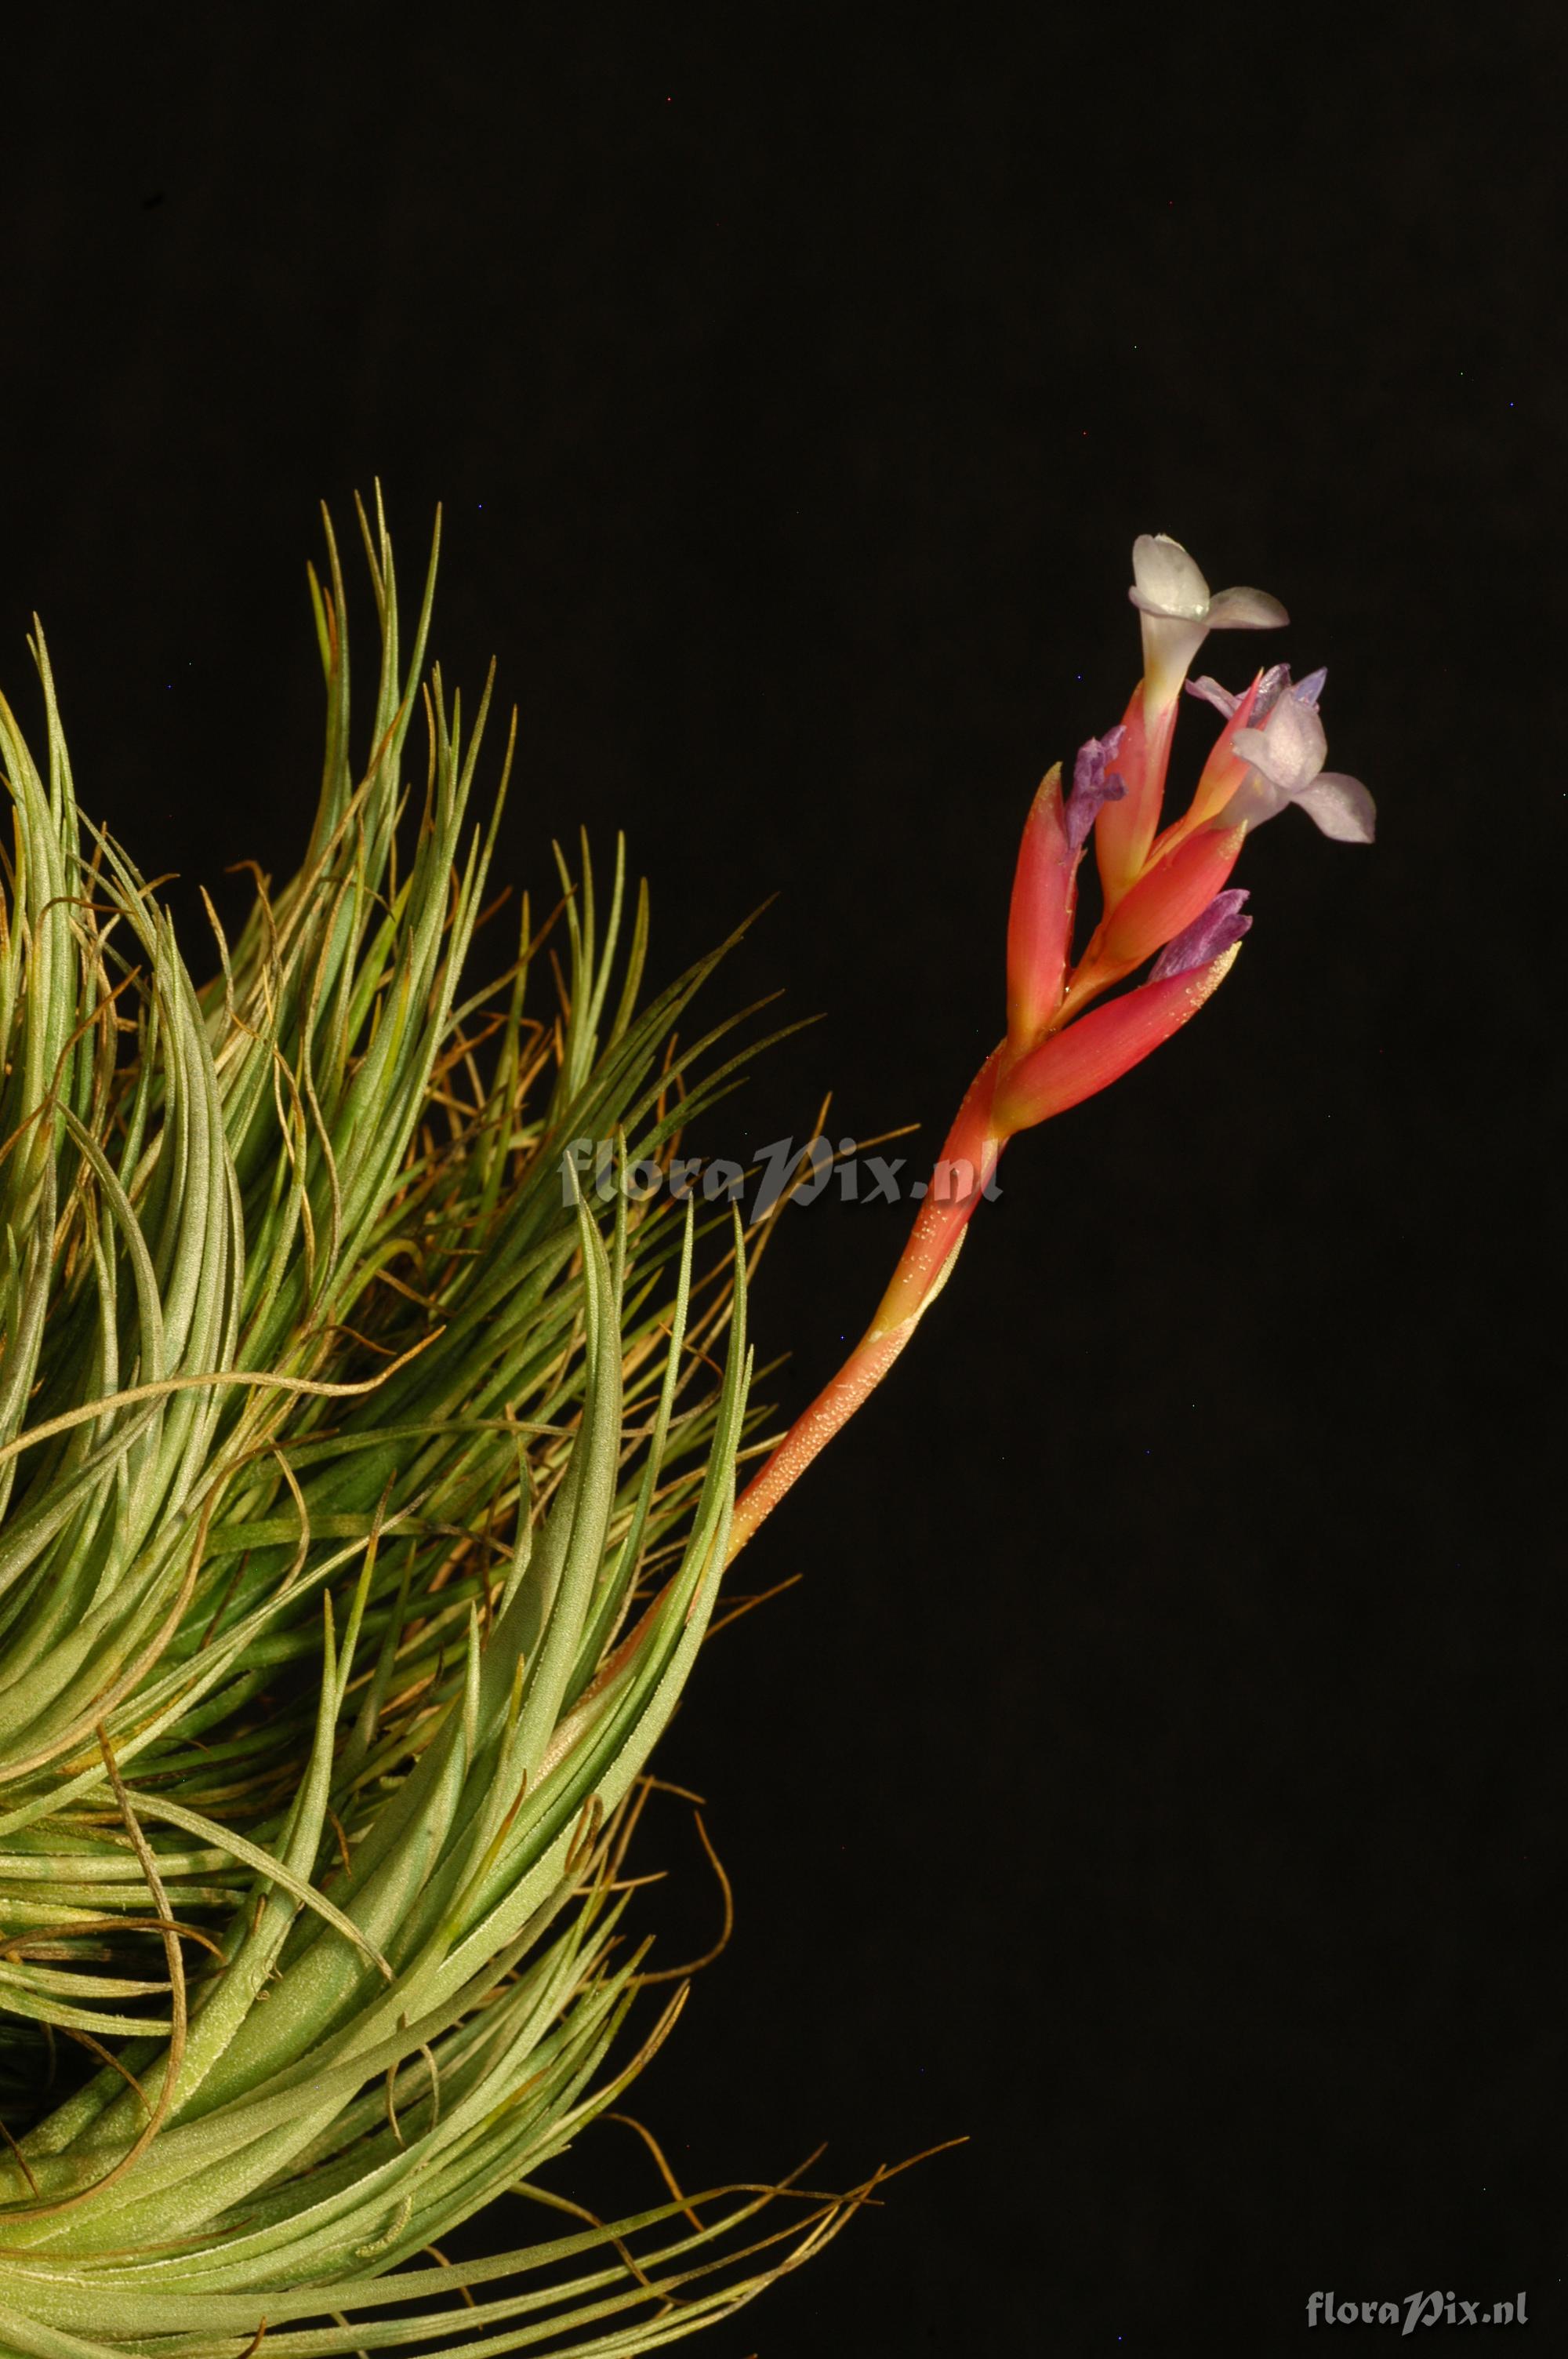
<point>1162,893</point>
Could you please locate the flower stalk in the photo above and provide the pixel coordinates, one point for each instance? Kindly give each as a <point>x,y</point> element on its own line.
<point>1164,897</point>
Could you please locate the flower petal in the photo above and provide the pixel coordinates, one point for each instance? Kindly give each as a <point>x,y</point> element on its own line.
<point>1255,800</point>
<point>1166,580</point>
<point>1244,610</point>
<point>1341,806</point>
<point>1290,748</point>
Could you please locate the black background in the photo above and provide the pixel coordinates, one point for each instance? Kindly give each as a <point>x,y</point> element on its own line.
<point>1156,1775</point>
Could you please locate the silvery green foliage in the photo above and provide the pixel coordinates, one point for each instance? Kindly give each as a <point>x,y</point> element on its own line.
<point>364,1511</point>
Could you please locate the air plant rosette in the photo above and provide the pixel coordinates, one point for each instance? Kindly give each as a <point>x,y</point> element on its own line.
<point>368,1490</point>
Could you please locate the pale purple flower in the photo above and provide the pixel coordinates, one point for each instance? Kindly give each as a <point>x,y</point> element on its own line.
<point>1287,756</point>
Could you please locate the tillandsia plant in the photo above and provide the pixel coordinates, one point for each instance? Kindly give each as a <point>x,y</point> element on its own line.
<point>367,1501</point>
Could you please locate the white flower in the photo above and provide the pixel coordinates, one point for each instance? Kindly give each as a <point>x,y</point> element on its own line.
<point>1178,612</point>
<point>1287,755</point>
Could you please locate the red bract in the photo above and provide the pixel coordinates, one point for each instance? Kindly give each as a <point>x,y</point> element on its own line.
<point>1175,889</point>
<point>1040,921</point>
<point>1099,1048</point>
<point>1126,829</point>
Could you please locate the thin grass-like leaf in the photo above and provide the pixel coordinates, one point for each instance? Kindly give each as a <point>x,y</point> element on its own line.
<point>311,1949</point>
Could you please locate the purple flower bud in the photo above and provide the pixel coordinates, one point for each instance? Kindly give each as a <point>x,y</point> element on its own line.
<point>1094,784</point>
<point>1212,930</point>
